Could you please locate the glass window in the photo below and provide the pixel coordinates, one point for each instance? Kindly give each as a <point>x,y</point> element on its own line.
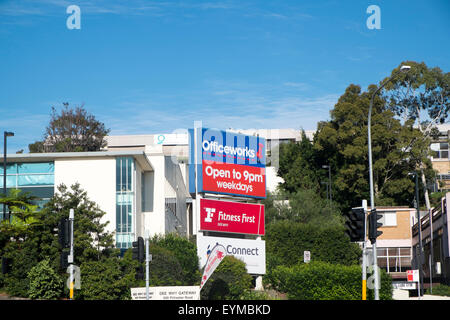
<point>35,179</point>
<point>41,167</point>
<point>124,201</point>
<point>11,168</point>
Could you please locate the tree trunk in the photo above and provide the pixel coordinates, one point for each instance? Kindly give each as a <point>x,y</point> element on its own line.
<point>425,189</point>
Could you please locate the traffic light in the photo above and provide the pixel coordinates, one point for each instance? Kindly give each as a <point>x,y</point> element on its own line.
<point>6,265</point>
<point>64,260</point>
<point>355,225</point>
<point>64,233</point>
<point>140,273</point>
<point>374,233</point>
<point>139,250</point>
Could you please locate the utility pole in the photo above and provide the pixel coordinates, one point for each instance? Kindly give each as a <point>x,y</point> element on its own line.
<point>71,257</point>
<point>419,225</point>
<point>364,262</point>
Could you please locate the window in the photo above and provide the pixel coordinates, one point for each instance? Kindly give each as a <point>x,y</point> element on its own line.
<point>396,259</point>
<point>389,219</point>
<point>440,150</point>
<point>35,177</point>
<point>124,202</point>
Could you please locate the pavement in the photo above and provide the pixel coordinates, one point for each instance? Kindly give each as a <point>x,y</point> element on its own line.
<point>404,295</point>
<point>4,296</point>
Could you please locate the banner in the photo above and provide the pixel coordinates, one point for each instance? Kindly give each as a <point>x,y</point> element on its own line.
<point>215,257</point>
<point>228,216</point>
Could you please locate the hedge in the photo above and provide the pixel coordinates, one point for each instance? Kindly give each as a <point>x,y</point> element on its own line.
<point>286,241</point>
<point>325,281</point>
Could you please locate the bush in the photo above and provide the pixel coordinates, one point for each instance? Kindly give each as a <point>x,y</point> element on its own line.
<point>107,279</point>
<point>324,281</point>
<point>286,241</point>
<point>229,281</point>
<point>184,251</point>
<point>164,269</point>
<point>45,283</point>
<point>440,290</point>
<point>23,259</point>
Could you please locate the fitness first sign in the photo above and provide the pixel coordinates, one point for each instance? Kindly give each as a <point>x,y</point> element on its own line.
<point>234,217</point>
<point>251,252</point>
<point>227,163</point>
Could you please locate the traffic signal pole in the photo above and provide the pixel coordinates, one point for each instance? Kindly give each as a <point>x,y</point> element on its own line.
<point>147,262</point>
<point>364,262</point>
<point>71,257</point>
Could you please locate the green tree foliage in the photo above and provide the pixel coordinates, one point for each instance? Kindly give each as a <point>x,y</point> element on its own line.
<point>343,142</point>
<point>421,97</point>
<point>21,212</point>
<point>91,240</point>
<point>44,282</point>
<point>73,130</point>
<point>303,206</point>
<point>298,165</point>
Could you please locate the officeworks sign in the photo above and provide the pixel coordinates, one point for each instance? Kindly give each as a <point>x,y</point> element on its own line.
<point>251,252</point>
<point>227,163</point>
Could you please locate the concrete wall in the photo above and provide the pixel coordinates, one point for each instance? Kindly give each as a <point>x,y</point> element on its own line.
<point>97,176</point>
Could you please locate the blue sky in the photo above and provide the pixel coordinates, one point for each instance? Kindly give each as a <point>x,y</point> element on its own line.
<point>145,67</point>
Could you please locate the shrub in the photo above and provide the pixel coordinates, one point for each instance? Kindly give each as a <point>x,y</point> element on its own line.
<point>324,281</point>
<point>23,259</point>
<point>228,282</point>
<point>184,251</point>
<point>106,279</point>
<point>286,241</point>
<point>164,269</point>
<point>45,283</point>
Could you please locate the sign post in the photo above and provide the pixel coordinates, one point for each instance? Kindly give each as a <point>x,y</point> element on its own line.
<point>71,257</point>
<point>413,276</point>
<point>306,256</point>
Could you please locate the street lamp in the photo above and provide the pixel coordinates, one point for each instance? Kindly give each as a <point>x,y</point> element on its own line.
<point>372,200</point>
<point>329,178</point>
<point>5,135</point>
<point>419,225</point>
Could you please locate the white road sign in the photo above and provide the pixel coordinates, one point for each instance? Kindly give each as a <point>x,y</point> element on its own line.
<point>167,293</point>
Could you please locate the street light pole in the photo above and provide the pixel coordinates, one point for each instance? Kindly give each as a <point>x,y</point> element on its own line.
<point>419,225</point>
<point>329,179</point>
<point>372,200</point>
<point>5,135</point>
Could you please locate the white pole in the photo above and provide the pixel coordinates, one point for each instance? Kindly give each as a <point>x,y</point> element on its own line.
<point>364,262</point>
<point>147,262</point>
<point>71,260</point>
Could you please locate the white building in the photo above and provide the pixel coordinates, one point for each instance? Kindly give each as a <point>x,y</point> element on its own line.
<point>139,181</point>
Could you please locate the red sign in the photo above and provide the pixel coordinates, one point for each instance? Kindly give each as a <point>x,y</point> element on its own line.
<point>227,216</point>
<point>234,179</point>
<point>412,275</point>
